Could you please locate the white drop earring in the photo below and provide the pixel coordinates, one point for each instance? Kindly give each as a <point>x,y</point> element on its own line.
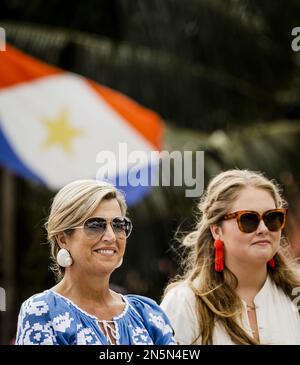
<point>63,258</point>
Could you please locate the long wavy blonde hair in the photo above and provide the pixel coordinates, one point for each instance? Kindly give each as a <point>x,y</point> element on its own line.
<point>216,298</point>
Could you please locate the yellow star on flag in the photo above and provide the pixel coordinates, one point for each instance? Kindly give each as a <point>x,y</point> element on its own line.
<point>60,132</point>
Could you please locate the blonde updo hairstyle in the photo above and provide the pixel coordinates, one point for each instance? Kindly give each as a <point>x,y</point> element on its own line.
<point>71,206</point>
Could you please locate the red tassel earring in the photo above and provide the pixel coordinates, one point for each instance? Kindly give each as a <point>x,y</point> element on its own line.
<point>219,255</point>
<point>271,263</point>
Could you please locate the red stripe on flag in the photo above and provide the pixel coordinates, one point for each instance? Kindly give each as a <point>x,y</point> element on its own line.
<point>144,120</point>
<point>17,67</point>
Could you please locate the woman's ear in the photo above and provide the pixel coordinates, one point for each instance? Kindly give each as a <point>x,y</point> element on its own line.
<point>61,239</point>
<point>215,231</point>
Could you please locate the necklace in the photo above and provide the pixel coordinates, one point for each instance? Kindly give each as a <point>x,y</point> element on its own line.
<point>250,307</point>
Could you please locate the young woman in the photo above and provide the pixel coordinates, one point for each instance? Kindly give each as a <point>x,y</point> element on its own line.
<point>239,286</point>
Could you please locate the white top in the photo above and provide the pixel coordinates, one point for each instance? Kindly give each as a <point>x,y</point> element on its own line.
<point>278,319</point>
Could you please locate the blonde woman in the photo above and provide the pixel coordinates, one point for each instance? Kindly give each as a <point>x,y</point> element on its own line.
<point>238,283</point>
<point>87,230</point>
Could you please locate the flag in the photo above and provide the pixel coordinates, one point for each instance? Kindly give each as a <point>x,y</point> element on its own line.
<point>56,126</point>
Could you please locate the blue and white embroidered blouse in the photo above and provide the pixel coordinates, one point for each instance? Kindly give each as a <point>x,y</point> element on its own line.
<point>48,318</point>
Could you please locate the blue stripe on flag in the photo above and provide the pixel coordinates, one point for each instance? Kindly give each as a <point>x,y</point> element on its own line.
<point>133,194</point>
<point>11,161</point>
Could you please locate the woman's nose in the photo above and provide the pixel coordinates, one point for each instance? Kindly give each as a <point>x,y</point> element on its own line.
<point>109,234</point>
<point>262,227</point>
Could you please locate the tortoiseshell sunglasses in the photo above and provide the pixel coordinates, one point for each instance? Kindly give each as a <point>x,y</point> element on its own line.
<point>248,220</point>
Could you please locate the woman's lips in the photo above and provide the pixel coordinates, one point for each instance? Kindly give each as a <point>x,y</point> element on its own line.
<point>262,243</point>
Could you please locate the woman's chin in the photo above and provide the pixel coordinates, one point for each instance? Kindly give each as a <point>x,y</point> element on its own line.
<point>102,269</point>
<point>262,258</point>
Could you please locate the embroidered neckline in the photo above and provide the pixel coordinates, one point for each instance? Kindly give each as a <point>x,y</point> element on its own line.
<point>115,318</point>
